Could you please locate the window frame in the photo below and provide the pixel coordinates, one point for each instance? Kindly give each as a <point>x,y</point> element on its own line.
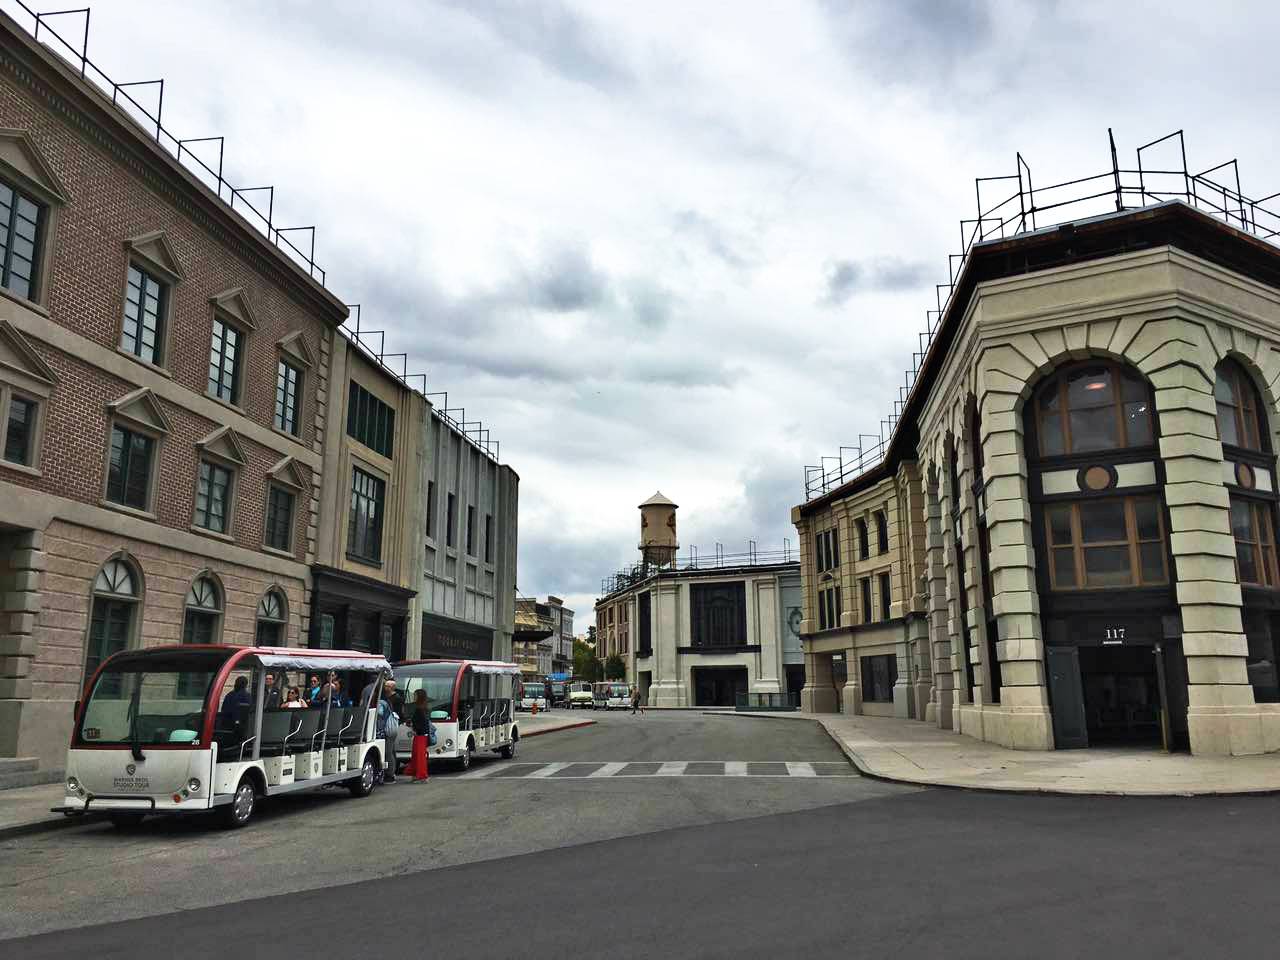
<point>1246,402</point>
<point>21,189</point>
<point>1058,380</point>
<point>221,317</point>
<point>294,428</point>
<point>1264,553</point>
<point>259,618</point>
<point>279,488</point>
<point>1133,542</point>
<point>450,522</point>
<point>864,587</point>
<point>166,282</point>
<point>471,530</point>
<point>35,432</point>
<point>365,420</point>
<point>232,471</point>
<point>380,485</point>
<point>133,600</point>
<point>488,538</point>
<point>882,531</point>
<point>864,543</point>
<point>131,426</point>
<point>866,669</point>
<point>886,594</point>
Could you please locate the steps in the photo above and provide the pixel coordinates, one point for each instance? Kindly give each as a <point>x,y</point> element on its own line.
<point>25,772</point>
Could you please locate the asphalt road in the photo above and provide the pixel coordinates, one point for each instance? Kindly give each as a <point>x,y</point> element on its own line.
<point>828,866</point>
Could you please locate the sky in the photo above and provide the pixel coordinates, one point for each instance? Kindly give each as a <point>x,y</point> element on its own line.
<point>684,246</point>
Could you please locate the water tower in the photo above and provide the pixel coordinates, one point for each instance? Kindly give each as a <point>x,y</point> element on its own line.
<point>658,542</point>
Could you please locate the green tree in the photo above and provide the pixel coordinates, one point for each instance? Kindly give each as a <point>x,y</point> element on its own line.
<point>615,669</point>
<point>585,664</point>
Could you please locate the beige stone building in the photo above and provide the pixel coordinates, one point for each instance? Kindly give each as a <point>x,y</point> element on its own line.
<point>1080,496</point>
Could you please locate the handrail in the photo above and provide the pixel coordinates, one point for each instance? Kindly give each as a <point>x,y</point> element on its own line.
<point>245,743</point>
<point>284,744</point>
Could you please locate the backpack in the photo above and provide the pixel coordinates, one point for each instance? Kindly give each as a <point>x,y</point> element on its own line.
<point>388,722</point>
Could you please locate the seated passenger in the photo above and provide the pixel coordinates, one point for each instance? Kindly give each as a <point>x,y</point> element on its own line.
<point>271,693</point>
<point>238,697</point>
<point>293,699</point>
<point>313,689</point>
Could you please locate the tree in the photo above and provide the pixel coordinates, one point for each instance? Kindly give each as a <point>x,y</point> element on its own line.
<point>585,664</point>
<point>615,669</point>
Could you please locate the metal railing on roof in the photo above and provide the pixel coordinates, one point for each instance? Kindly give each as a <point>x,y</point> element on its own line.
<point>474,431</point>
<point>1215,191</point>
<point>636,573</point>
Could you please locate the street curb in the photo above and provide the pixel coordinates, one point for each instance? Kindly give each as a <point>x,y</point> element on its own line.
<point>861,766</point>
<point>571,726</point>
<point>48,826</point>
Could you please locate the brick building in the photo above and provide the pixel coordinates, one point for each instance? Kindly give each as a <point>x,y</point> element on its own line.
<point>161,372</point>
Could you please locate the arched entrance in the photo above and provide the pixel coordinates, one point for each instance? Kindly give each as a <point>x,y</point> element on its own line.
<point>1105,577</point>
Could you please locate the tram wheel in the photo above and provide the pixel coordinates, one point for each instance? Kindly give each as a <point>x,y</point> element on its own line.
<point>239,811</point>
<point>362,785</point>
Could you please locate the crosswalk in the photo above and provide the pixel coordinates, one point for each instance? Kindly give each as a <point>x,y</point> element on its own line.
<point>656,769</point>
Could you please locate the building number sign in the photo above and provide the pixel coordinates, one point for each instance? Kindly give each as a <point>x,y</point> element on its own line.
<point>1113,635</point>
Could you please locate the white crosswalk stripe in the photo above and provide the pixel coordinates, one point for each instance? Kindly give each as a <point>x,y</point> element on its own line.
<point>653,769</point>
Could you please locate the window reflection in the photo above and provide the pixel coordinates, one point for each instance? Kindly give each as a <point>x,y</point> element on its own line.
<point>1093,407</point>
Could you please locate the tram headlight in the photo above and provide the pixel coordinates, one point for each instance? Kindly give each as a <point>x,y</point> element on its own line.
<point>448,744</point>
<point>194,785</point>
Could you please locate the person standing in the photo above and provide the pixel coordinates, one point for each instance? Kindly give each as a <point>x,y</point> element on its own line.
<point>636,705</point>
<point>420,720</point>
<point>389,728</point>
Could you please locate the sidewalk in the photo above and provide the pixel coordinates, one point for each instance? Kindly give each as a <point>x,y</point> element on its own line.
<point>908,751</point>
<point>25,810</point>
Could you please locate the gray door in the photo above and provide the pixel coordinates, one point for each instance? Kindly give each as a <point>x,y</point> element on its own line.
<point>1066,698</point>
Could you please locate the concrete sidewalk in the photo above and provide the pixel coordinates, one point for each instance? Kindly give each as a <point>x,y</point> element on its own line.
<point>908,751</point>
<point>25,810</point>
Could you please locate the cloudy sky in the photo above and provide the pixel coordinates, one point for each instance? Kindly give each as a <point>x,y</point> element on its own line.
<point>679,245</point>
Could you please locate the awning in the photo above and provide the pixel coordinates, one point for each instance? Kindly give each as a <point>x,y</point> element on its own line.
<point>306,660</point>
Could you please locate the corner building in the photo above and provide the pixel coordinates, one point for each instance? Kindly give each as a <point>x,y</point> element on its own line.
<point>161,410</point>
<point>1094,431</point>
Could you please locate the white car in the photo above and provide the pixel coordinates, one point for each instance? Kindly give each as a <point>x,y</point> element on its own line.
<point>580,695</point>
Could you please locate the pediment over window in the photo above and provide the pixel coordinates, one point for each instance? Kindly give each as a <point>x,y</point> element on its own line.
<point>288,474</point>
<point>235,305</point>
<point>295,346</point>
<point>225,445</point>
<point>156,252</point>
<point>20,155</point>
<point>143,409</point>
<point>18,361</point>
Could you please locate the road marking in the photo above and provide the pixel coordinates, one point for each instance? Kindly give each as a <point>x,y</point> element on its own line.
<point>801,770</point>
<point>735,768</point>
<point>546,771</point>
<point>672,768</point>
<point>488,770</point>
<point>608,770</point>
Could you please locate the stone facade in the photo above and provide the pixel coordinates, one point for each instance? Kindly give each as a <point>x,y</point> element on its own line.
<point>1010,624</point>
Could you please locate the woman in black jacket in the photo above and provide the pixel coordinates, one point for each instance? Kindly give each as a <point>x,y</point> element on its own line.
<point>420,720</point>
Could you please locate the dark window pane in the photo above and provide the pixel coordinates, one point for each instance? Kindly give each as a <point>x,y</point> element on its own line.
<point>1152,555</point>
<point>20,430</point>
<point>19,231</point>
<point>129,468</point>
<point>1147,513</point>
<point>1060,524</point>
<point>1101,521</point>
<point>1051,442</point>
<point>1241,520</point>
<point>1064,567</point>
<point>1132,387</point>
<point>369,420</point>
<point>1247,563</point>
<point>1107,566</point>
<point>1090,387</point>
<point>1227,424</point>
<point>1137,418</point>
<point>1222,391</point>
<point>1093,429</point>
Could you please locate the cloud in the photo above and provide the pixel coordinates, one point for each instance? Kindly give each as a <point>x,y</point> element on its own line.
<point>714,237</point>
<point>844,278</point>
<point>567,281</point>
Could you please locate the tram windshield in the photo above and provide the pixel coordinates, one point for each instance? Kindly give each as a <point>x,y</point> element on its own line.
<point>533,691</point>
<point>149,700</point>
<point>437,679</point>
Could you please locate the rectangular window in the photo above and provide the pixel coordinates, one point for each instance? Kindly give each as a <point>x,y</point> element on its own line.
<point>144,305</point>
<point>882,531</point>
<point>828,550</point>
<point>645,640</point>
<point>369,420</point>
<point>431,508</point>
<point>865,584</point>
<point>718,612</point>
<point>20,431</point>
<point>288,385</point>
<point>471,531</point>
<point>879,674</point>
<point>829,608</point>
<point>364,537</point>
<point>1104,543</point>
<point>129,470</point>
<point>864,548</point>
<point>886,596</point>
<point>1253,526</point>
<point>279,518</point>
<point>21,222</point>
<point>488,538</point>
<point>225,361</point>
<point>449,521</point>
<point>213,497</point>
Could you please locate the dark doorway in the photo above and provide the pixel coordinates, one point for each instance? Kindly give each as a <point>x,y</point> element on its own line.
<point>718,686</point>
<point>1121,695</point>
<point>795,680</point>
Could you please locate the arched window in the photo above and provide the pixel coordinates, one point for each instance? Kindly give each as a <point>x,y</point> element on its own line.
<point>116,591</point>
<point>273,613</point>
<point>1238,405</point>
<point>204,611</point>
<point>1093,406</point>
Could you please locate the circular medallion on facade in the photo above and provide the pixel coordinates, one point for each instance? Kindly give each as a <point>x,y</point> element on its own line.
<point>1244,476</point>
<point>1097,478</point>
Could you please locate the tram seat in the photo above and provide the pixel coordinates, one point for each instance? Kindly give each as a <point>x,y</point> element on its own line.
<point>229,730</point>
<point>276,726</point>
<point>300,742</point>
<point>355,732</point>
<point>337,720</point>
